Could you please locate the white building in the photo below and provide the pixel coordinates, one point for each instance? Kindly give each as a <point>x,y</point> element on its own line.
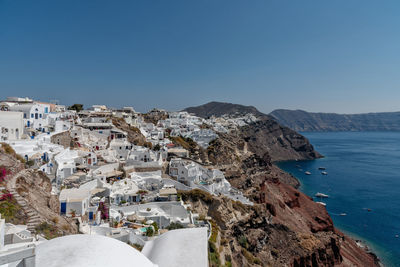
<point>66,164</point>
<point>74,201</point>
<point>186,172</point>
<point>124,191</point>
<point>99,108</point>
<point>35,114</point>
<point>11,125</point>
<point>17,245</point>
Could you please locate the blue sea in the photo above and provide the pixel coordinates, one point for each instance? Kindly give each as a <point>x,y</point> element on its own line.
<point>363,181</point>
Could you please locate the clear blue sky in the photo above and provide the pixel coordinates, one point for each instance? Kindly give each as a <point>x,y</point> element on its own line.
<point>332,56</point>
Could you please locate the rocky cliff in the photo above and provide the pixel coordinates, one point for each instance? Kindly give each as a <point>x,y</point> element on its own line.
<point>265,136</point>
<point>303,121</point>
<point>284,227</point>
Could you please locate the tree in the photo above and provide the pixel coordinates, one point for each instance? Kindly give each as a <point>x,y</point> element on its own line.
<point>149,231</point>
<point>155,226</point>
<point>157,147</point>
<point>77,107</point>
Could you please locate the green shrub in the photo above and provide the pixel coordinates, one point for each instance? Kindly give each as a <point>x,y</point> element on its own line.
<point>196,194</point>
<point>30,163</point>
<point>76,107</point>
<point>243,241</point>
<point>149,231</point>
<point>214,231</point>
<point>157,147</point>
<point>47,230</point>
<point>213,255</point>
<point>250,258</point>
<point>9,209</point>
<point>175,225</point>
<point>155,226</point>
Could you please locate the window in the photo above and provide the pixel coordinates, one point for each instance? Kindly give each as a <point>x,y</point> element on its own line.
<point>40,115</point>
<point>32,115</point>
<point>24,115</point>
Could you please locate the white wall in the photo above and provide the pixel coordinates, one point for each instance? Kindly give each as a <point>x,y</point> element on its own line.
<point>11,125</point>
<point>79,207</point>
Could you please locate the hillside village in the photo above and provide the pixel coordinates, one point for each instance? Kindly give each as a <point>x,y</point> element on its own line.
<point>116,172</point>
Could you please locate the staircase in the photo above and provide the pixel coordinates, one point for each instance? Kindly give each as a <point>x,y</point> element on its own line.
<point>33,216</point>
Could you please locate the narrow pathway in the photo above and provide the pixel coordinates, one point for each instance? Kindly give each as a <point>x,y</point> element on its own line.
<point>33,216</point>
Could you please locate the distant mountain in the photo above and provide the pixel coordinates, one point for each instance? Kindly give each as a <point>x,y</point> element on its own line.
<point>265,137</point>
<point>303,121</point>
<point>219,108</point>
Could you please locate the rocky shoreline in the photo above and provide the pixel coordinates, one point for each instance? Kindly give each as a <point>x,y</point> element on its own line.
<point>359,242</point>
<point>362,244</point>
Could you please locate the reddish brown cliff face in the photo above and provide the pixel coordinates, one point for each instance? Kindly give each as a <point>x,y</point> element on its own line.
<point>284,227</point>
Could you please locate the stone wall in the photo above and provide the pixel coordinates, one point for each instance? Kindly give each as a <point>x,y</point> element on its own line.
<point>63,139</point>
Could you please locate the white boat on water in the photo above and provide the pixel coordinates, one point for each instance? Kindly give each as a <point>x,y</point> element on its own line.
<point>324,173</point>
<point>343,214</point>
<point>308,173</point>
<point>321,203</point>
<point>321,195</point>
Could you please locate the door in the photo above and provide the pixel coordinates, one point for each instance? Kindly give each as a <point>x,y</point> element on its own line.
<point>63,207</point>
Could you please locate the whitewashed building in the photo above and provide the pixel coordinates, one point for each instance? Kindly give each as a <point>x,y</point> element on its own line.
<point>34,114</point>
<point>74,201</point>
<point>11,125</point>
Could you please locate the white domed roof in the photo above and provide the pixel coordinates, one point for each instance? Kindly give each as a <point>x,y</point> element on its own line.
<point>88,250</point>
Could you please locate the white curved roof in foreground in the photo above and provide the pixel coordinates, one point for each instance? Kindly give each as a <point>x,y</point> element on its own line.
<point>88,251</point>
<point>183,247</point>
